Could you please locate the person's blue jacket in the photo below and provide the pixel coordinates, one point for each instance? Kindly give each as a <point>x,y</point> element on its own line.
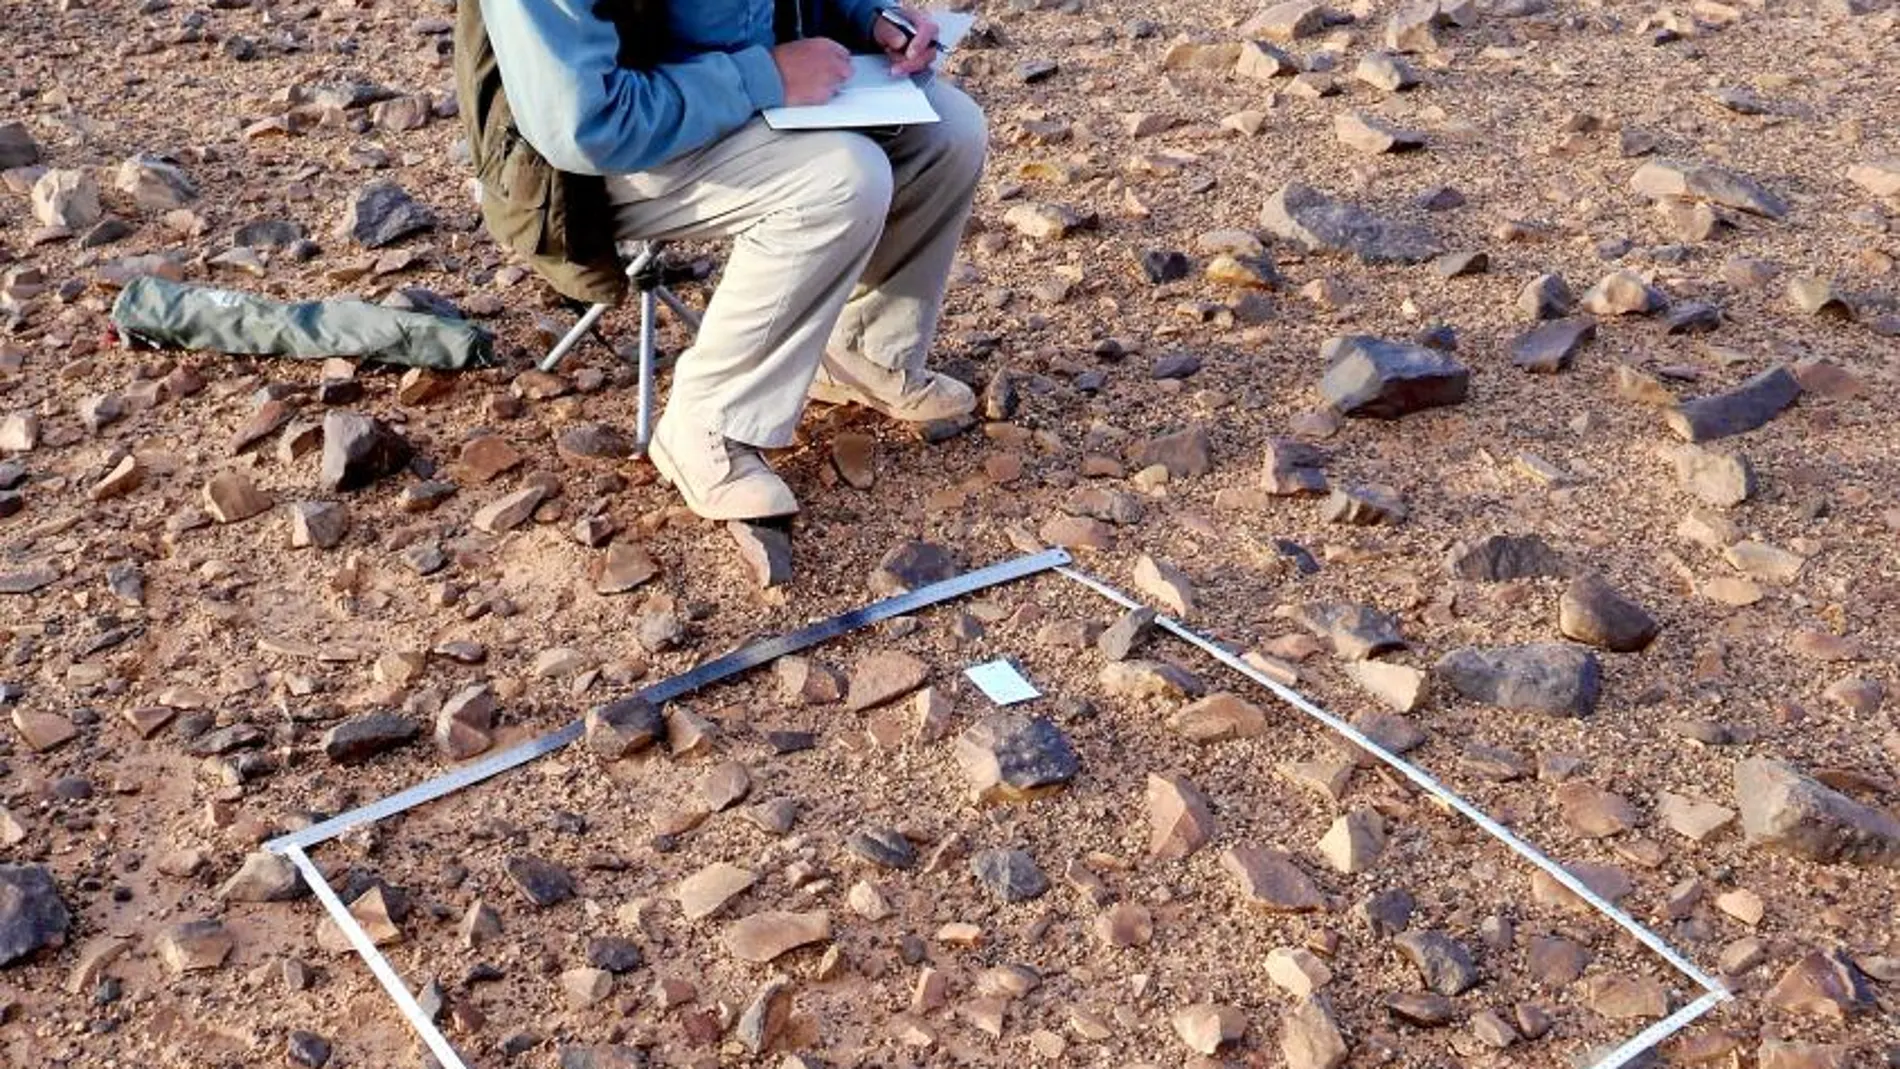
<point>588,115</point>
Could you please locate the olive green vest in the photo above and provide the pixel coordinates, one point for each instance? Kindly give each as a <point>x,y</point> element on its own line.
<point>560,223</point>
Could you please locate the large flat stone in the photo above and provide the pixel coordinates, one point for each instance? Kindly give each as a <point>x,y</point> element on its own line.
<point>1320,223</point>
<point>1380,379</point>
<point>1737,411</point>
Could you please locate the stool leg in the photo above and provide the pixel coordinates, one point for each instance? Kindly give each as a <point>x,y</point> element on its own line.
<point>573,337</point>
<point>649,337</point>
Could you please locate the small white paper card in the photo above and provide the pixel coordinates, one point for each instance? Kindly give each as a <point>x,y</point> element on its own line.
<point>1001,683</point>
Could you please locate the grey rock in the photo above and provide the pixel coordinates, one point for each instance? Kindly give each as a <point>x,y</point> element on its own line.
<point>541,882</point>
<point>766,551</point>
<point>1356,631</point>
<point>1552,346</point>
<point>885,847</point>
<point>308,1049</point>
<point>614,954</point>
<point>1012,875</point>
<point>364,737</point>
<point>264,877</point>
<point>1558,679</point>
<point>1011,757</point>
<point>1462,264</point>
<point>1499,557</point>
<point>1787,812</point>
<point>1372,377</point>
<point>1591,611</point>
<point>603,1056</point>
<point>1364,506</point>
<point>17,147</point>
<point>1184,453</point>
<point>1319,223</point>
<point>1692,317</point>
<point>1161,266</point>
<point>1736,411</point>
<point>268,234</point>
<point>1657,179</point>
<point>384,213</point>
<point>1546,297</point>
<point>1717,477</point>
<point>1120,639</point>
<point>155,184</point>
<point>321,524</point>
<point>1293,468</point>
<point>358,450</point>
<point>912,565</point>
<point>32,914</point>
<point>1387,913</point>
<point>1443,963</point>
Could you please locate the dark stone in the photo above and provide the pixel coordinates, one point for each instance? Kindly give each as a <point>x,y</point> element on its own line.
<point>308,1049</point>
<point>1176,366</point>
<point>268,234</point>
<point>12,474</point>
<point>1031,71</point>
<point>17,147</point>
<point>384,213</point>
<point>1317,222</point>
<point>1591,611</point>
<point>1386,913</point>
<point>789,742</point>
<point>1298,554</point>
<point>1551,347</point>
<point>1742,409</point>
<point>1184,453</point>
<point>1443,963</point>
<point>1498,557</point>
<point>1372,377</point>
<point>1011,875</point>
<point>912,565</point>
<point>32,915</point>
<point>358,450</point>
<point>1693,317</point>
<point>1125,635</point>
<point>1540,677</point>
<point>1160,266</point>
<point>1790,813</point>
<point>108,231</point>
<point>1356,631</point>
<point>227,739</point>
<point>365,737</point>
<point>540,882</point>
<point>425,301</point>
<point>1461,264</point>
<point>886,847</point>
<point>594,441</point>
<point>1010,756</point>
<point>614,954</point>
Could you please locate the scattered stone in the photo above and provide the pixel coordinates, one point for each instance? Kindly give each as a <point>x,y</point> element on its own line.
<point>1011,875</point>
<point>384,213</point>
<point>706,892</point>
<point>766,551</point>
<point>322,524</point>
<point>1541,677</point>
<point>1357,632</point>
<point>362,738</point>
<point>195,946</point>
<point>1124,925</point>
<point>1626,997</point>
<point>1150,679</point>
<point>1594,613</point>
<point>1593,812</point>
<point>724,785</point>
<point>1008,757</point>
<point>1298,971</point>
<point>1759,560</point>
<point>155,184</point>
<point>464,724</point>
<point>1043,222</point>
<point>1165,583</point>
<point>1622,293</point>
<point>623,727</point>
<point>1815,296</point>
<point>884,677</point>
<point>1737,411</point>
<point>1500,557</point>
<point>1787,812</point>
<point>1421,1008</point>
<point>764,937</point>
<point>43,731</point>
<point>507,513</point>
<point>1364,506</point>
<point>1270,880</point>
<point>358,450</point>
<point>1385,71</point>
<point>1552,347</point>
<point>264,877</point>
<point>1317,222</point>
<point>1120,639</point>
<point>1372,377</point>
<point>1218,718</point>
<point>1443,963</point>
<point>66,200</point>
<point>1310,1038</point>
<point>1714,476</point>
<point>586,986</point>
<point>542,883</point>
<point>625,567</point>
<point>1206,1027</point>
<point>1659,179</point>
<point>912,565</point>
<point>1184,453</point>
<point>1354,842</point>
<point>885,847</point>
<point>1822,984</point>
<point>231,497</point>
<point>1293,468</point>
<point>308,1049</point>
<point>1364,133</point>
<point>17,147</point>
<point>1180,819</point>
<point>32,914</point>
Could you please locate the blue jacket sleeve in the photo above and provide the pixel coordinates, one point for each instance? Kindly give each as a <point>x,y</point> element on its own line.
<point>856,17</point>
<point>588,115</point>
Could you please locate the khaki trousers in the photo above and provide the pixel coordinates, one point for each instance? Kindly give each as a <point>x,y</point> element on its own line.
<point>842,246</point>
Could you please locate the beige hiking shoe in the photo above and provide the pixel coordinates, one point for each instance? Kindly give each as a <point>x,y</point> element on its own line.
<point>720,479</point>
<point>910,396</point>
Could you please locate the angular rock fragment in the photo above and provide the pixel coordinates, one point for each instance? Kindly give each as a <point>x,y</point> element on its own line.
<point>1180,819</point>
<point>1399,686</point>
<point>1822,984</point>
<point>1552,347</point>
<point>763,937</point>
<point>1500,557</point>
<point>1269,880</point>
<point>1317,222</point>
<point>364,737</point>
<point>1293,468</point>
<point>32,914</point>
<point>1714,476</point>
<point>1011,875</point>
<point>384,213</point>
<point>1354,841</point>
<point>264,877</point>
<point>1442,962</point>
<point>1622,293</point>
<point>1219,717</point>
<point>623,727</point>
<point>911,565</point>
<point>195,946</point>
<point>1557,679</point>
<point>1356,631</point>
<point>1594,613</point>
<point>541,882</point>
<point>1165,583</point>
<point>358,450</point>
<point>1365,133</point>
<point>1657,179</point>
<point>1206,1027</point>
<point>884,677</point>
<point>1008,757</point>
<point>1787,812</point>
<point>1364,506</point>
<point>1737,411</point>
<point>1372,377</point>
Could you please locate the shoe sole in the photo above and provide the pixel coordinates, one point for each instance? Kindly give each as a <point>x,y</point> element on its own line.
<point>844,395</point>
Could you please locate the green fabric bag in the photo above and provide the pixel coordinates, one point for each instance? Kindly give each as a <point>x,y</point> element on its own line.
<point>171,315</point>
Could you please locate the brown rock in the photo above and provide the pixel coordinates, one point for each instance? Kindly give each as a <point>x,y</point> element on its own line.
<point>1399,686</point>
<point>763,937</point>
<point>1125,924</point>
<point>1625,997</point>
<point>1180,819</point>
<point>884,677</point>
<point>1310,1038</point>
<point>1270,880</point>
<point>1219,717</point>
<point>42,731</point>
<point>1206,1027</point>
<point>1354,841</point>
<point>626,566</point>
<point>706,892</point>
<point>1594,812</point>
<point>1822,984</point>
<point>195,946</point>
<point>230,497</point>
<point>1165,583</point>
<point>1785,811</point>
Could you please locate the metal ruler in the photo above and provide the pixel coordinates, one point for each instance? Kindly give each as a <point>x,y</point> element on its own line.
<point>740,660</point>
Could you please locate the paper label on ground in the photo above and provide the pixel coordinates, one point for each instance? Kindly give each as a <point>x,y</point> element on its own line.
<point>1001,683</point>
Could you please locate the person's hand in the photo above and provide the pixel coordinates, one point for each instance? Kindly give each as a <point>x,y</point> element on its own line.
<point>812,69</point>
<point>908,56</point>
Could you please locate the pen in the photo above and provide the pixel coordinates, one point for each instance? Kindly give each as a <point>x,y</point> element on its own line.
<point>907,28</point>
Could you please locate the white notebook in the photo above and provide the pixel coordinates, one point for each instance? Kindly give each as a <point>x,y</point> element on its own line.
<point>873,96</point>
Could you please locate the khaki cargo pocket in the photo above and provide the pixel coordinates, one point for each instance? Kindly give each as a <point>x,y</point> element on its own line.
<point>515,200</point>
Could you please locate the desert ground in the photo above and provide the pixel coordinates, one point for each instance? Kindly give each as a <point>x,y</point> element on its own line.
<point>1510,377</point>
